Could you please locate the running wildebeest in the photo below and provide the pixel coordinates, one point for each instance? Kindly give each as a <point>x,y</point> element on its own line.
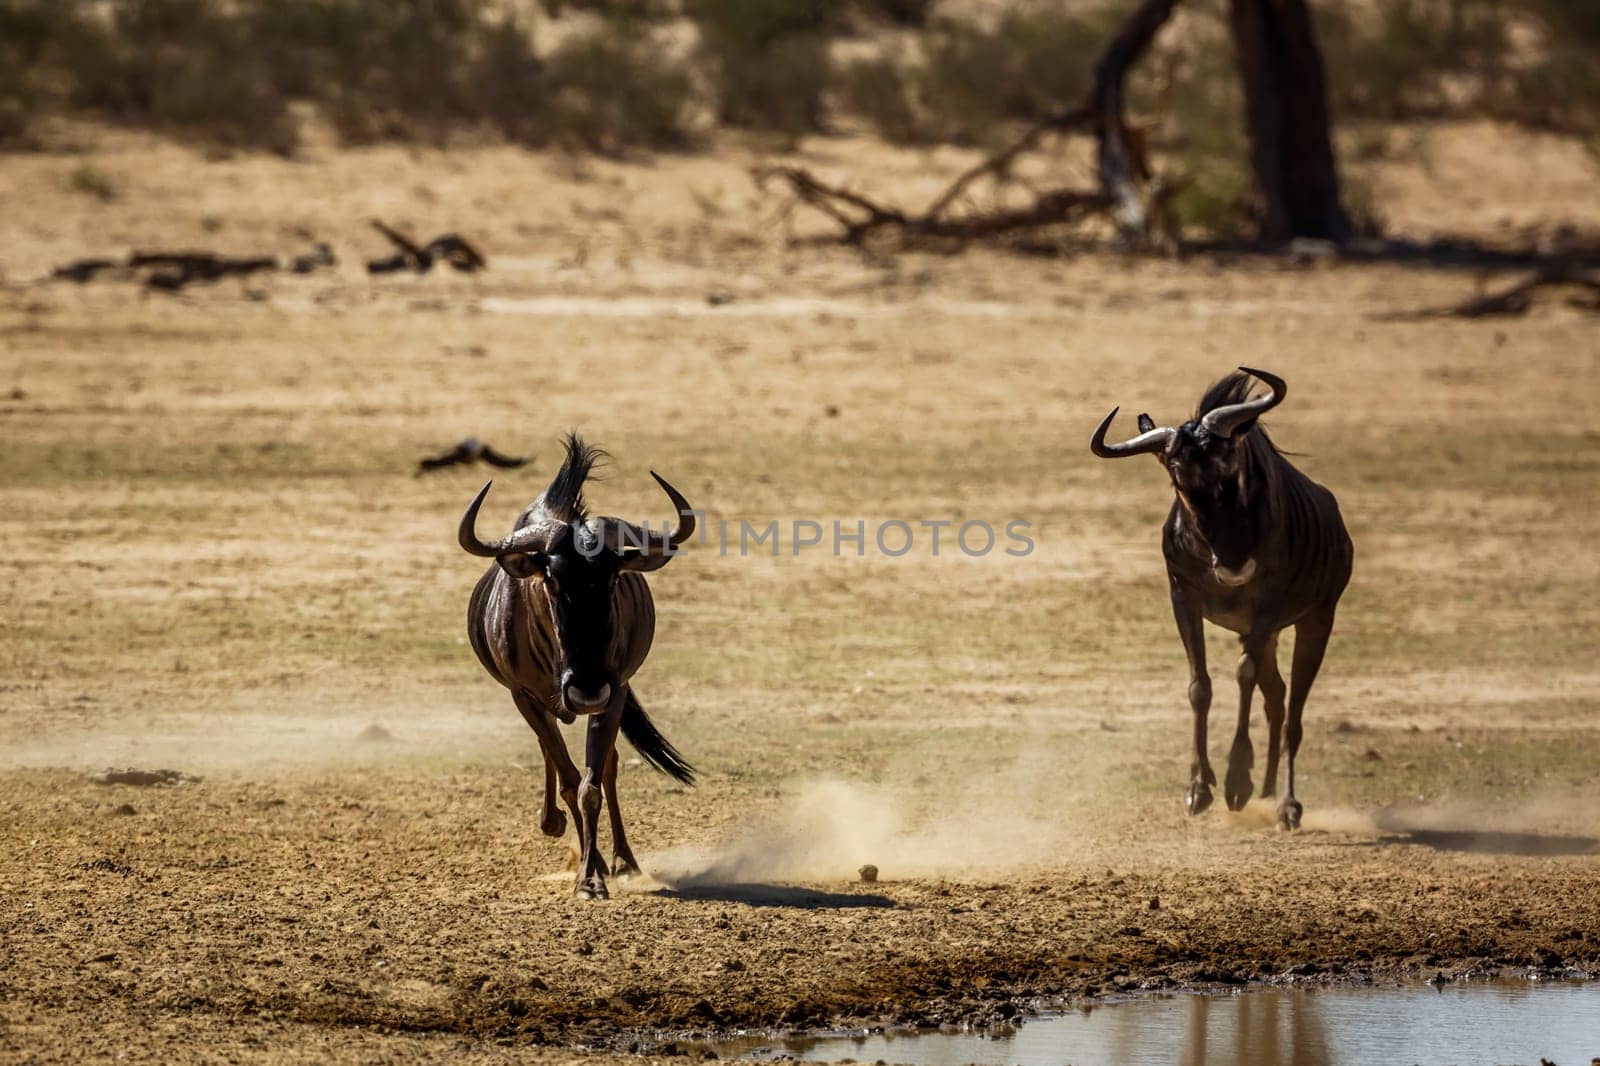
<point>1252,545</point>
<point>563,619</point>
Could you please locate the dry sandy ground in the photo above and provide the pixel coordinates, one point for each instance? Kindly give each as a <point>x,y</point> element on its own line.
<point>216,558</point>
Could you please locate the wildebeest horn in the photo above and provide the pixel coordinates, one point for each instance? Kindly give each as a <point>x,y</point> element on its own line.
<point>1225,421</point>
<point>1151,440</point>
<point>533,538</point>
<point>653,548</point>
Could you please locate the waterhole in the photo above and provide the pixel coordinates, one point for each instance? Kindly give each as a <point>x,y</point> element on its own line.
<point>1479,1022</point>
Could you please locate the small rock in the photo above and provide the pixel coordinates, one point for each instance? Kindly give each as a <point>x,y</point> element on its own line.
<point>19,393</point>
<point>719,297</point>
<point>1155,903</point>
<point>123,810</point>
<point>832,410</point>
<point>869,873</point>
<point>374,733</point>
<point>1372,755</point>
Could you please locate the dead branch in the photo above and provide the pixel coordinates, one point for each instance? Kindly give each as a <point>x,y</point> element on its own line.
<point>173,271</point>
<point>1120,161</point>
<point>1518,299</point>
<point>1054,206</point>
<point>450,247</point>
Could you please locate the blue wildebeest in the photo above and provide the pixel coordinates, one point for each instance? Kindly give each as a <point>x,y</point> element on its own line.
<point>1252,545</point>
<point>563,619</point>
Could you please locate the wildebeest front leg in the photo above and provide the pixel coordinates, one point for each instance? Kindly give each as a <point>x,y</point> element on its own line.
<point>599,746</point>
<point>1187,611</point>
<point>623,864</point>
<point>1310,641</point>
<point>559,770</point>
<point>1270,682</point>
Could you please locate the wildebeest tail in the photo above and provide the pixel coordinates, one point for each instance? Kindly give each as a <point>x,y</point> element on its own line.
<point>648,741</point>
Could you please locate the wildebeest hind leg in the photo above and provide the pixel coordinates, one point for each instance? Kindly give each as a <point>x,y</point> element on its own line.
<point>1310,641</point>
<point>1236,786</point>
<point>1270,682</point>
<point>623,864</point>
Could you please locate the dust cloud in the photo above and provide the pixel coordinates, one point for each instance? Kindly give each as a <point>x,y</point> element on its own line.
<point>831,828</point>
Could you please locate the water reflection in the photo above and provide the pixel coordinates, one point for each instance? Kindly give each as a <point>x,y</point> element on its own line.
<point>1483,1022</point>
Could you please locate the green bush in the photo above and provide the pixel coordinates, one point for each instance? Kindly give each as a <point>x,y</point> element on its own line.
<point>1031,62</point>
<point>188,66</point>
<point>880,90</point>
<point>768,60</point>
<point>614,88</point>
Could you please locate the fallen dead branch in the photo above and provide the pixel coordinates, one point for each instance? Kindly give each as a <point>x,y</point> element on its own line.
<point>1518,299</point>
<point>451,248</point>
<point>860,217</point>
<point>172,271</point>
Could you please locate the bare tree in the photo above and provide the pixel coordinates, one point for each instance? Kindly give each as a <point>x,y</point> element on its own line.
<point>1286,114</point>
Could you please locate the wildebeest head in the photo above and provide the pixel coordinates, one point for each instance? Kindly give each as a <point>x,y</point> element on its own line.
<point>1208,459</point>
<point>576,560</point>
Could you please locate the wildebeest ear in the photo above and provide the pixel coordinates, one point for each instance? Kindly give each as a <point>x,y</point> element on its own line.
<point>522,566</point>
<point>1146,423</point>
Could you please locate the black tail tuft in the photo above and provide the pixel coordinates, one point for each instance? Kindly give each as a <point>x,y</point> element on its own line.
<point>648,741</point>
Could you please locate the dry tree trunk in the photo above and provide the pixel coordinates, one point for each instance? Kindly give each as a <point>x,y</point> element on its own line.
<point>1122,172</point>
<point>1286,116</point>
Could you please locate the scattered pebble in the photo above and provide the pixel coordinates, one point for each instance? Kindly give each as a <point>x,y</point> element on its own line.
<point>374,733</point>
<point>869,873</point>
<point>123,810</point>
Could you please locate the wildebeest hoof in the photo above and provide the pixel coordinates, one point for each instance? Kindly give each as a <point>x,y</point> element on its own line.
<point>1289,814</point>
<point>1199,797</point>
<point>1238,790</point>
<point>592,888</point>
<point>622,866</point>
<point>554,824</point>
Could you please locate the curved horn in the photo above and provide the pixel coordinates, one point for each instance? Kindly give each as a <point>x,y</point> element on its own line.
<point>1225,421</point>
<point>656,547</point>
<point>527,539</point>
<point>1152,440</point>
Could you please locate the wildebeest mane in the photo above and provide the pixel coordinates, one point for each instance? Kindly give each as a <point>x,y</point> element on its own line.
<point>1232,389</point>
<point>563,501</point>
